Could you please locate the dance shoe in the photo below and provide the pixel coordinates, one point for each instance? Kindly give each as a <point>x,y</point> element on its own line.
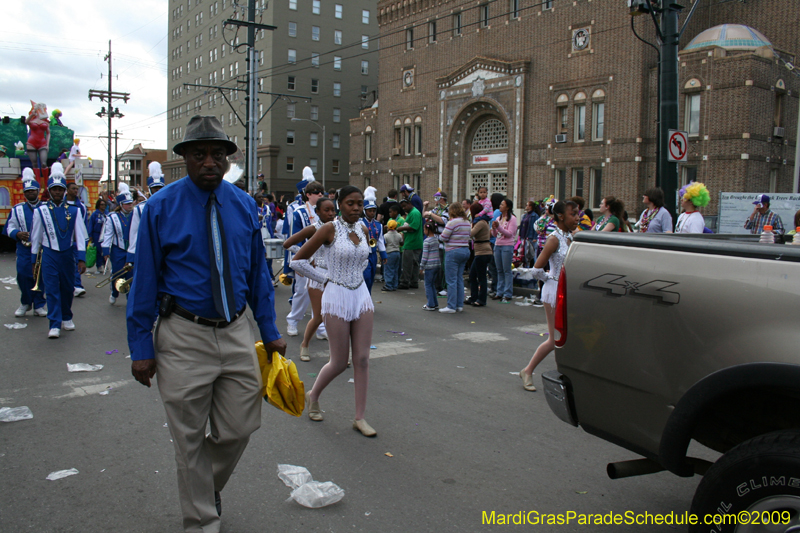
<point>305,355</point>
<point>527,380</point>
<point>364,428</point>
<point>314,412</point>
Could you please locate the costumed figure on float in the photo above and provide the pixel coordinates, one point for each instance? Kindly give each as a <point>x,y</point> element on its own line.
<point>38,135</point>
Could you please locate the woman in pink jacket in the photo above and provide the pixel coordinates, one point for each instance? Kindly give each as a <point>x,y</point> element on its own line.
<point>505,229</point>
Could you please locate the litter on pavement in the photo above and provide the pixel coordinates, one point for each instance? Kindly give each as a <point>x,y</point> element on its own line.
<point>83,367</point>
<point>15,325</point>
<point>15,414</point>
<point>61,474</point>
<point>9,280</point>
<point>306,491</point>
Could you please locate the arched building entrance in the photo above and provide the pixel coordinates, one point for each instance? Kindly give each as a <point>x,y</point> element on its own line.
<point>487,158</point>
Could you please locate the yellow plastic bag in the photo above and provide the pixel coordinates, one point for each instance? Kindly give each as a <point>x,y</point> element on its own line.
<point>282,385</point>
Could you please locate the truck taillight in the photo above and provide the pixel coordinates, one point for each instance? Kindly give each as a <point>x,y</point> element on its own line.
<point>561,310</point>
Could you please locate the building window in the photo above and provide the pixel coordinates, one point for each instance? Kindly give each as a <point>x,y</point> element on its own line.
<point>337,88</point>
<point>596,188</point>
<point>688,175</point>
<point>407,140</point>
<point>562,122</point>
<point>291,84</point>
<point>290,110</point>
<point>315,33</point>
<point>292,55</point>
<point>260,137</point>
<point>337,37</point>
<point>778,114</point>
<point>692,122</point>
<point>313,139</point>
<point>290,164</point>
<point>337,63</point>
<point>289,136</point>
<point>365,16</point>
<point>548,4</point>
<point>335,166</point>
<point>514,9</point>
<point>314,115</point>
<point>577,182</point>
<point>368,146</point>
<point>315,6</point>
<point>365,42</point>
<point>483,13</point>
<point>410,39</point>
<point>314,86</point>
<point>336,140</point>
<point>418,139</point>
<point>313,164</point>
<point>580,123</point>
<point>598,121</point>
<point>773,180</point>
<point>457,23</point>
<point>365,67</point>
<point>337,115</point>
<point>561,183</point>
<point>491,135</point>
<point>314,59</point>
<point>5,197</point>
<point>292,5</point>
<point>398,137</point>
<point>432,31</point>
<point>292,29</point>
<point>337,11</point>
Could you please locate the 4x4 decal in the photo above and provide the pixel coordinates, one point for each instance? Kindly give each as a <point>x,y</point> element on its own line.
<point>617,285</point>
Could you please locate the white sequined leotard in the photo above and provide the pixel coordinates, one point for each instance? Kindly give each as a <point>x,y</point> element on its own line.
<point>346,295</point>
<point>319,260</point>
<point>556,264</point>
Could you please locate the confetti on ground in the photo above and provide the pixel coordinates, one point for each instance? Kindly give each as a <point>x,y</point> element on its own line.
<point>104,393</point>
<point>351,380</point>
<point>112,352</point>
<point>387,454</point>
<point>534,333</point>
<point>581,492</point>
<point>165,425</point>
<point>312,374</point>
<point>461,367</point>
<point>83,367</point>
<point>61,474</point>
<point>367,513</point>
<point>409,340</point>
<point>373,347</point>
<point>8,288</point>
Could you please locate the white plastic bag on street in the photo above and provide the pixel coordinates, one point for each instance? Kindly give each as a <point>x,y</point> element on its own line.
<point>16,325</point>
<point>316,494</point>
<point>83,367</point>
<point>305,490</point>
<point>294,476</point>
<point>14,414</point>
<point>9,280</point>
<point>61,474</point>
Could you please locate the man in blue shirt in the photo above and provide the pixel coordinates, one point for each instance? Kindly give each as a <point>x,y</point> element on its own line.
<point>199,252</point>
<point>73,198</point>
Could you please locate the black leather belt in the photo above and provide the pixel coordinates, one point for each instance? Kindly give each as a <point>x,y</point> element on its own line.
<point>210,322</point>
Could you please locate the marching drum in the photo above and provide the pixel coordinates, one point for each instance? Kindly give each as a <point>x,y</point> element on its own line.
<point>274,248</point>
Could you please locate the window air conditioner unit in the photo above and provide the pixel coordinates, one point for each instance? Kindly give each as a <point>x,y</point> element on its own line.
<point>778,132</point>
<point>561,138</point>
<point>395,151</point>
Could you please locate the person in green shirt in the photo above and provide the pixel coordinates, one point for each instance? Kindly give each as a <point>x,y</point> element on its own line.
<point>412,245</point>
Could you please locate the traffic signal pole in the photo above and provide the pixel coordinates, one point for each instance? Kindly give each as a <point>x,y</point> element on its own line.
<point>667,174</point>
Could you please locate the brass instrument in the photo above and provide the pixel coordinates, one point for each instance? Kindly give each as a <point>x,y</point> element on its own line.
<point>26,244</point>
<point>372,242</point>
<point>115,276</point>
<point>37,271</point>
<point>123,286</point>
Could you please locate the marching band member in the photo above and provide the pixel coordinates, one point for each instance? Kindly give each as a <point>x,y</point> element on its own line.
<point>308,177</point>
<point>95,229</point>
<point>155,182</point>
<point>375,232</point>
<point>302,216</point>
<point>56,227</point>
<point>72,199</point>
<point>18,227</point>
<point>116,233</point>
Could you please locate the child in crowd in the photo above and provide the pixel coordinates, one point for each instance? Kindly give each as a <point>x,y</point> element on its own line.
<point>430,264</point>
<point>485,201</point>
<point>392,268</point>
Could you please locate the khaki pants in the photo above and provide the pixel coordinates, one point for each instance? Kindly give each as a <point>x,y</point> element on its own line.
<point>207,375</point>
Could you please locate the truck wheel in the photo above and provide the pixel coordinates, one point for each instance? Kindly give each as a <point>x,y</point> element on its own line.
<point>758,482</point>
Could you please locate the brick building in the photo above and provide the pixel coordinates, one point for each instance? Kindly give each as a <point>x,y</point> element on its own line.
<point>535,98</point>
<point>322,56</point>
<point>133,165</point>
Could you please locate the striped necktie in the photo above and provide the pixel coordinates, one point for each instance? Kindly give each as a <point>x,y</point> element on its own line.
<point>221,282</point>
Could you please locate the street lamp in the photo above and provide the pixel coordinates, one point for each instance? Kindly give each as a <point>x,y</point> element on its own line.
<point>295,119</point>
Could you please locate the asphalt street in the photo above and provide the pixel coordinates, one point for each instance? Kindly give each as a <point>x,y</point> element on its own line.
<point>457,434</point>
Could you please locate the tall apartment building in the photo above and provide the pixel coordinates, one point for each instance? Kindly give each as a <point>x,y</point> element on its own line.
<point>532,98</point>
<point>322,57</point>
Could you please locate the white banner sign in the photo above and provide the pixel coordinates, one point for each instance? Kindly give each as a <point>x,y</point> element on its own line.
<point>736,207</point>
<point>490,159</point>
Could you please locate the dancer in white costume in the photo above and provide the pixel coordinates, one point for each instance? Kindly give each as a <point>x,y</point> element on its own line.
<point>326,211</point>
<point>346,303</point>
<point>565,215</point>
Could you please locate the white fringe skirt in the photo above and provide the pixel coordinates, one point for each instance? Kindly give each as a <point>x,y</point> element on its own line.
<point>549,292</point>
<point>345,303</point>
<point>316,284</point>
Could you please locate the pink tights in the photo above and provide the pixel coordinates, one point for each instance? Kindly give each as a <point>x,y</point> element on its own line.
<point>341,335</point>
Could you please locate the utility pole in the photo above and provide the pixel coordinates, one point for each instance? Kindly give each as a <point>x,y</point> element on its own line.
<point>668,35</point>
<point>116,157</point>
<point>109,97</point>
<point>251,98</point>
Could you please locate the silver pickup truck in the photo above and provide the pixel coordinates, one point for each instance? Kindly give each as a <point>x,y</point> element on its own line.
<point>666,339</point>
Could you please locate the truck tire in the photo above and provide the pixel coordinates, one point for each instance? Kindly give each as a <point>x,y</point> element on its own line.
<point>756,480</point>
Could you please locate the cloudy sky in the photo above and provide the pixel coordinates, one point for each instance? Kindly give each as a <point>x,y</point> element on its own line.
<point>53,53</point>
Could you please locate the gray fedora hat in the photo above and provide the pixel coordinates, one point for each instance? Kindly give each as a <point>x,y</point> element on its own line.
<point>204,129</point>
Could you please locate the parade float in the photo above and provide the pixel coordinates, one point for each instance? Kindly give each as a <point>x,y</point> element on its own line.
<point>37,141</point>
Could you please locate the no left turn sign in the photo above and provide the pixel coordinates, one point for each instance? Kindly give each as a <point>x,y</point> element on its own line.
<point>677,146</point>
